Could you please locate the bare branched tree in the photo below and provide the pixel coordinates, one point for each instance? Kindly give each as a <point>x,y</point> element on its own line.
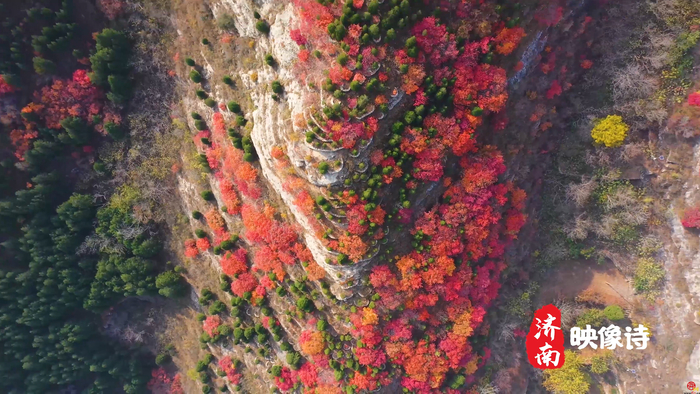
<point>505,331</point>
<point>94,244</point>
<point>632,83</point>
<point>635,215</point>
<point>622,197</point>
<point>132,336</point>
<point>631,151</point>
<point>487,388</point>
<point>555,252</point>
<point>581,192</point>
<point>503,380</point>
<point>579,228</point>
<point>659,44</point>
<point>569,312</point>
<point>130,231</point>
<point>598,158</point>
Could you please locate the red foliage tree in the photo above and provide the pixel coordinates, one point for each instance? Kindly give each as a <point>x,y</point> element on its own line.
<point>314,271</point>
<point>244,175</point>
<point>352,246</point>
<point>413,78</point>
<point>5,88</point>
<point>347,134</point>
<point>229,196</point>
<point>176,385</point>
<point>210,324</point>
<point>554,90</point>
<point>308,375</point>
<point>339,74</point>
<point>434,41</point>
<point>214,155</point>
<point>244,283</point>
<point>262,227</point>
<point>314,18</point>
<point>161,383</point>
<point>357,219</point>
<point>227,365</point>
<point>691,218</point>
<point>285,382</point>
<point>203,244</point>
<point>268,260</point>
<point>234,263</point>
<point>377,215</point>
<point>694,99</point>
<point>191,250</point>
<point>429,165</point>
<point>75,97</point>
<point>219,125</point>
<point>22,139</point>
<point>297,36</point>
<point>370,357</point>
<point>304,202</point>
<point>515,220</point>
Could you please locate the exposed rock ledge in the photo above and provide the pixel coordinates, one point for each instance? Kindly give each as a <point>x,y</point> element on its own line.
<point>273,125</point>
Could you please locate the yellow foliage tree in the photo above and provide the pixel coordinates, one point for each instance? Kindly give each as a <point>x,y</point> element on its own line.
<point>610,131</point>
<point>569,379</point>
<point>369,317</point>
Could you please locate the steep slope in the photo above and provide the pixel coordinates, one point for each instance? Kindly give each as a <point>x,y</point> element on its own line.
<point>325,167</point>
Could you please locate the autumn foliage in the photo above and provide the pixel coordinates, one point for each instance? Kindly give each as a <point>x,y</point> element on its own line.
<point>312,342</point>
<point>76,97</point>
<point>210,324</point>
<point>508,39</point>
<point>214,219</point>
<point>234,263</point>
<point>694,99</point>
<point>191,249</point>
<point>243,284</point>
<point>5,88</point>
<point>464,229</point>
<point>442,282</point>
<point>203,244</point>
<point>162,383</point>
<point>691,218</point>
<point>227,365</point>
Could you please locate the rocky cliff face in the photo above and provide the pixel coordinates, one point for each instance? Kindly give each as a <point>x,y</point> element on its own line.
<point>283,123</point>
<point>679,319</point>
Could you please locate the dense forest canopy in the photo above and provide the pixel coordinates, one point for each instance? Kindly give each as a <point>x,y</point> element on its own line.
<point>54,284</point>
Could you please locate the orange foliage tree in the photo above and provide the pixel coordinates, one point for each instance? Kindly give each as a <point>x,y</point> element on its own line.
<point>312,342</point>
<point>352,246</point>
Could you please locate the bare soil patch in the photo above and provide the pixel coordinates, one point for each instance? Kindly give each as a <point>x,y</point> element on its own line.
<point>596,283</point>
